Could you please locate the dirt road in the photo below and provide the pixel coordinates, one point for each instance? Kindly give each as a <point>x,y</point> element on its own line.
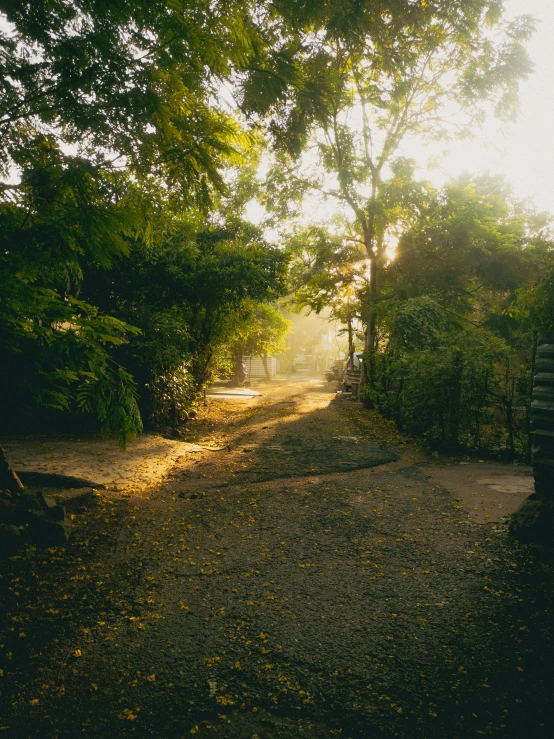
<point>301,572</point>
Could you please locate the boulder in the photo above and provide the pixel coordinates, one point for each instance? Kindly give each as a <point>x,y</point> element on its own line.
<point>55,513</point>
<point>48,533</point>
<point>27,502</point>
<point>45,501</point>
<point>72,500</point>
<point>10,537</point>
<point>9,530</point>
<point>533,522</point>
<point>6,509</point>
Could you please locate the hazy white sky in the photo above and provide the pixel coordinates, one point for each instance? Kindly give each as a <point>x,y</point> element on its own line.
<point>524,151</point>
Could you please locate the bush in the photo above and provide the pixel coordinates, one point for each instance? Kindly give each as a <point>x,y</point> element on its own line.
<point>462,391</point>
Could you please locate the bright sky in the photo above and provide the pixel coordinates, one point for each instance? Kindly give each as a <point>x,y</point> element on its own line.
<point>524,151</point>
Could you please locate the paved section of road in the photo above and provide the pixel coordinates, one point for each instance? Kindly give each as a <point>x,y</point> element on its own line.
<point>314,576</point>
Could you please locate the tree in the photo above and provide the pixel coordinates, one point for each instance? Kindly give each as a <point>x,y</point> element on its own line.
<point>186,291</point>
<point>133,91</point>
<point>260,330</point>
<point>133,82</point>
<point>361,88</point>
<point>56,345</point>
<point>456,350</point>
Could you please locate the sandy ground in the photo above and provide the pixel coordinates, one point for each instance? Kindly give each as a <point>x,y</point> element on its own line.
<point>315,577</point>
<point>145,463</point>
<point>488,490</point>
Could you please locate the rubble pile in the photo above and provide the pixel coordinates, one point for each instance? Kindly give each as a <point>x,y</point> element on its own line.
<point>29,515</point>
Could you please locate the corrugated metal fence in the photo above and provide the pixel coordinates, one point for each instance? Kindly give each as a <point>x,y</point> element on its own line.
<point>255,367</point>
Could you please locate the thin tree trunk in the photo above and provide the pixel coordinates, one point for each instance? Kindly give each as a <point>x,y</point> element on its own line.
<point>263,357</point>
<point>350,332</point>
<point>454,403</point>
<point>8,476</point>
<point>370,242</point>
<point>239,376</point>
<point>510,420</point>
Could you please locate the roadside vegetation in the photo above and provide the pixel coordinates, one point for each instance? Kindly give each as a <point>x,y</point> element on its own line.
<point>132,136</point>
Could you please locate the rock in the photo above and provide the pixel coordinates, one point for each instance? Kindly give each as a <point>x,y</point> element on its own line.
<point>533,522</point>
<point>55,513</point>
<point>45,500</point>
<point>71,500</point>
<point>9,530</point>
<point>27,502</point>
<point>6,509</point>
<point>55,480</point>
<point>48,533</point>
<point>52,510</point>
<point>10,537</point>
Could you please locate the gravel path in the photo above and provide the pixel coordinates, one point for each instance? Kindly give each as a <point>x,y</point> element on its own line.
<point>301,574</point>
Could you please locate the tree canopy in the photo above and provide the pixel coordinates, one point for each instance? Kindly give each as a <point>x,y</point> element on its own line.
<point>374,77</point>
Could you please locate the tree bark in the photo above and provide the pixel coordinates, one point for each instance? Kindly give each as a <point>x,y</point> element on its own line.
<point>350,333</point>
<point>454,403</point>
<point>238,371</point>
<point>8,476</point>
<point>263,357</point>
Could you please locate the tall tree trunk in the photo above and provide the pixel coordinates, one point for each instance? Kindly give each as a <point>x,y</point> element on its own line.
<point>263,357</point>
<point>372,249</point>
<point>350,332</point>
<point>238,371</point>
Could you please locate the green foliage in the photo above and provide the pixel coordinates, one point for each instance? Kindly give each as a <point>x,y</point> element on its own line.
<point>416,323</point>
<point>187,291</point>
<point>171,395</point>
<point>325,268</point>
<point>62,217</point>
<point>463,388</point>
<point>137,79</point>
<point>259,329</point>
<point>456,316</point>
<point>361,83</point>
<point>535,302</point>
<point>134,91</point>
<point>127,269</point>
<point>469,238</point>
